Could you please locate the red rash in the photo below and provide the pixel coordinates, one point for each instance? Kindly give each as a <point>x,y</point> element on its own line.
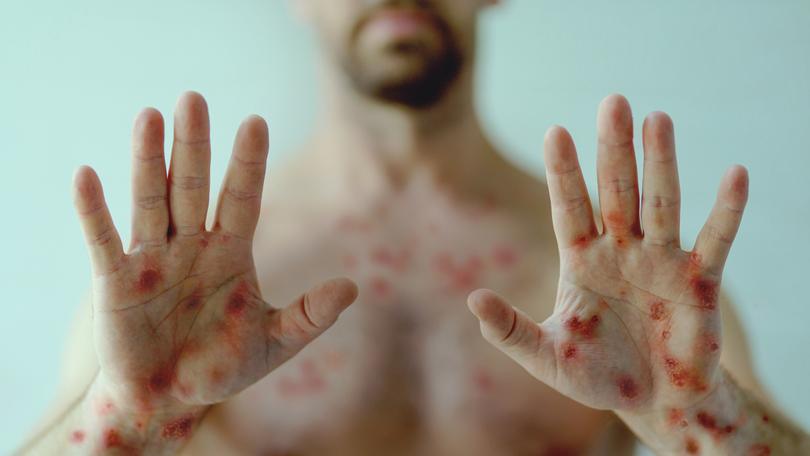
<point>692,446</point>
<point>237,302</point>
<point>112,438</point>
<point>705,291</point>
<point>504,256</point>
<point>397,261</point>
<point>681,376</point>
<point>676,418</point>
<point>570,351</point>
<point>657,311</point>
<point>162,380</point>
<point>310,382</point>
<point>77,437</point>
<point>483,381</point>
<point>148,279</point>
<point>178,429</point>
<point>581,242</point>
<point>463,276</point>
<point>760,449</point>
<point>709,423</point>
<point>585,329</point>
<point>628,387</point>
<point>381,287</point>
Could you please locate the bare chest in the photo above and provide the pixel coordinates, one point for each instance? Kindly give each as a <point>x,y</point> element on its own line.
<point>405,370</point>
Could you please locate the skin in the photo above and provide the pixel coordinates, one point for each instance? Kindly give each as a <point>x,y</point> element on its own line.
<point>187,356</point>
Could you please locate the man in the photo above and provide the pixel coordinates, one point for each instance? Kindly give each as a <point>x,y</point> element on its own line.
<point>400,190</point>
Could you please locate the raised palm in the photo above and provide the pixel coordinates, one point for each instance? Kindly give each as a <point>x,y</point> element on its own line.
<point>636,323</point>
<point>179,319</point>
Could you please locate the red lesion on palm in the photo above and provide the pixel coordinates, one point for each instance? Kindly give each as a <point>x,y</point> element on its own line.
<point>179,428</point>
<point>148,279</point>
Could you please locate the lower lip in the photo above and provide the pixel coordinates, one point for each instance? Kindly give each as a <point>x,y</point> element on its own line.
<point>398,23</point>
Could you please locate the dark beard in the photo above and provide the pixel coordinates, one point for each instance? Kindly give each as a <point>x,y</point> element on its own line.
<point>420,89</point>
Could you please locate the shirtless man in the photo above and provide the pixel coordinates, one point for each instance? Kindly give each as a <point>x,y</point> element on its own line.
<point>400,191</point>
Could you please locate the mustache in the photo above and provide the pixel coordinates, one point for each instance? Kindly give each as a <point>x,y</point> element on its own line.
<point>425,7</point>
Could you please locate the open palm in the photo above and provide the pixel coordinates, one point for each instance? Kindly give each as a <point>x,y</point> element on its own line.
<point>636,323</point>
<point>179,319</point>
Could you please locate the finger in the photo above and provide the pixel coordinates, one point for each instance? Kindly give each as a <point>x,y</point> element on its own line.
<point>241,194</point>
<point>571,209</point>
<point>190,165</point>
<point>102,238</point>
<point>514,333</point>
<point>296,325</point>
<point>714,241</point>
<point>150,218</point>
<point>616,167</point>
<point>661,200</point>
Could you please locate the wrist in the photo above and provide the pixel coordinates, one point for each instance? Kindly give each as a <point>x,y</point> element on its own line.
<point>114,422</point>
<point>724,421</point>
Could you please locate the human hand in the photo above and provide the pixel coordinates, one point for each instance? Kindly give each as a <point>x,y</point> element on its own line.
<point>179,321</point>
<point>636,324</point>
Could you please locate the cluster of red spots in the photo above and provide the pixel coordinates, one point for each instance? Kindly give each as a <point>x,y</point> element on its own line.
<point>77,436</point>
<point>161,380</point>
<point>380,286</point>
<point>675,418</point>
<point>692,446</point>
<point>105,407</point>
<point>387,257</point>
<point>462,275</point>
<point>657,310</point>
<point>179,428</point>
<point>584,328</point>
<point>148,280</point>
<point>238,301</point>
<point>705,291</point>
<point>112,438</point>
<point>204,242</point>
<point>310,381</point>
<point>682,376</point>
<point>504,256</point>
<point>581,242</point>
<point>709,422</point>
<point>709,343</point>
<point>628,387</point>
<point>570,351</point>
<point>759,449</point>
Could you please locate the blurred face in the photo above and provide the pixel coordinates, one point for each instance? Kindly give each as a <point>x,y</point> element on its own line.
<point>407,52</point>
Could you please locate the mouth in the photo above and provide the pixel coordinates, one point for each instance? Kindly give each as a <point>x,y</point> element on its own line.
<point>399,23</point>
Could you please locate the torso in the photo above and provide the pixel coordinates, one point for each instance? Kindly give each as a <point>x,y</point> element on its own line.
<point>405,369</point>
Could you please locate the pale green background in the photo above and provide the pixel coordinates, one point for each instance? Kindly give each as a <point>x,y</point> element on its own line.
<point>735,75</point>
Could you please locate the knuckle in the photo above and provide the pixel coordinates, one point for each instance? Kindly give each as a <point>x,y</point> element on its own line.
<point>661,201</point>
<point>571,204</point>
<point>190,183</point>
<point>718,235</point>
<point>618,185</point>
<point>151,202</point>
<point>241,196</point>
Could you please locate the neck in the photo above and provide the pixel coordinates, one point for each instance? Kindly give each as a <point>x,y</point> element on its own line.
<point>379,148</point>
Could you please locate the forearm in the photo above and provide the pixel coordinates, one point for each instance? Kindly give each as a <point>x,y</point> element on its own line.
<point>97,424</point>
<point>729,421</point>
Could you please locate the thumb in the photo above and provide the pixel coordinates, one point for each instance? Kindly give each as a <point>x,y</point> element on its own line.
<point>290,329</point>
<point>514,333</point>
